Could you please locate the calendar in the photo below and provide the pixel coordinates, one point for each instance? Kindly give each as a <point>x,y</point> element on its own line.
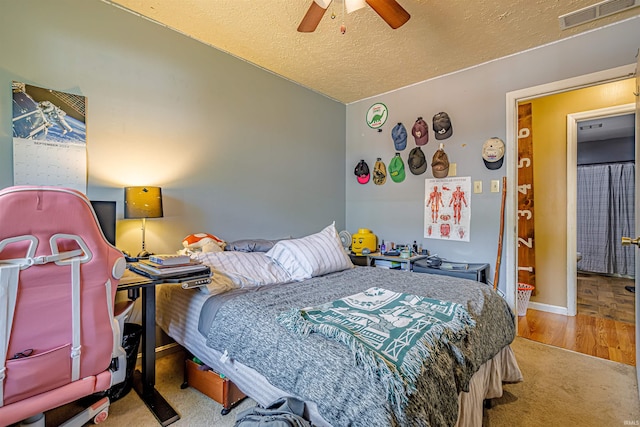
<point>49,138</point>
<point>41,163</point>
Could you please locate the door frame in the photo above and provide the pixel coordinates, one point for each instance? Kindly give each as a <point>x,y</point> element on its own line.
<point>572,192</point>
<point>512,100</point>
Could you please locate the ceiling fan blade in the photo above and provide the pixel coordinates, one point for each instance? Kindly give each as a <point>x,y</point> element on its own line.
<point>312,18</point>
<point>389,10</point>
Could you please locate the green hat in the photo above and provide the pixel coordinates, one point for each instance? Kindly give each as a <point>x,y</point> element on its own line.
<point>396,168</point>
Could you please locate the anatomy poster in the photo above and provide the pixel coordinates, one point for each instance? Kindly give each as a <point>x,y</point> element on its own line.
<point>49,138</point>
<point>447,211</point>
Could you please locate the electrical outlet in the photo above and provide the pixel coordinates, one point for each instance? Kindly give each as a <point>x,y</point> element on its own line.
<point>495,186</point>
<point>452,169</point>
<point>477,186</point>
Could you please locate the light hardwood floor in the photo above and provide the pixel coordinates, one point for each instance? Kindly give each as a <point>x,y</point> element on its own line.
<point>604,326</point>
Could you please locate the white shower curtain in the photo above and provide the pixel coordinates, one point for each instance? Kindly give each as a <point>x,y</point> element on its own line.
<point>605,213</point>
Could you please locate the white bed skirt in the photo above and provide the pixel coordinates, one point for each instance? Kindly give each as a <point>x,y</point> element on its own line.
<point>178,311</point>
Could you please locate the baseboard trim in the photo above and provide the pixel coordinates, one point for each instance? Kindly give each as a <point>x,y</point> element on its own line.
<point>164,350</point>
<point>548,308</point>
<point>168,349</point>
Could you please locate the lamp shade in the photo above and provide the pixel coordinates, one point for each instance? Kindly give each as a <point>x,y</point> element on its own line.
<point>142,202</point>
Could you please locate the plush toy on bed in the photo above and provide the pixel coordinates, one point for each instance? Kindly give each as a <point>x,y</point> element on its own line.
<point>203,242</point>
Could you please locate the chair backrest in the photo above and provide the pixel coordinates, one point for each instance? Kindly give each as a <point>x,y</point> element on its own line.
<point>52,233</point>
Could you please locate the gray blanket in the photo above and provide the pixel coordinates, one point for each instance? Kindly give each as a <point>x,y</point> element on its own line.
<point>324,371</point>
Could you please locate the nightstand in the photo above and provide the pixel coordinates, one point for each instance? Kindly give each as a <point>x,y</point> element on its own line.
<point>388,261</point>
<point>359,260</point>
<point>477,271</point>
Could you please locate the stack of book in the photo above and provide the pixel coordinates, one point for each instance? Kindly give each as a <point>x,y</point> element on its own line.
<point>384,263</point>
<point>169,266</point>
<point>170,259</point>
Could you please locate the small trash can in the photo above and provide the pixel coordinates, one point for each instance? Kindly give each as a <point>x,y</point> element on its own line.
<point>130,342</point>
<point>524,293</point>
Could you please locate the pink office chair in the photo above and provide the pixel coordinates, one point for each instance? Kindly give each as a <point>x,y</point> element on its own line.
<point>59,338</point>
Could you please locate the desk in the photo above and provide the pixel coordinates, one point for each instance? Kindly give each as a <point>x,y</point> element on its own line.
<point>144,382</point>
<point>406,264</point>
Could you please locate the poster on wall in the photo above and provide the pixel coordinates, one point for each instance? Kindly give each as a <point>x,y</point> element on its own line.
<point>447,212</point>
<point>49,138</point>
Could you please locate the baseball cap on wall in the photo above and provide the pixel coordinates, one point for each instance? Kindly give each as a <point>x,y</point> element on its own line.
<point>362,172</point>
<point>417,161</point>
<point>442,126</point>
<point>396,168</point>
<point>399,135</point>
<point>420,131</point>
<point>493,153</point>
<point>379,172</point>
<point>440,164</point>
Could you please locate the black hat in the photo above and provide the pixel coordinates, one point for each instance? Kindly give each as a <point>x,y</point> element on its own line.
<point>417,161</point>
<point>442,126</point>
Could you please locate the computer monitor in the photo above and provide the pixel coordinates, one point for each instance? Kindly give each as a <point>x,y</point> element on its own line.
<point>106,213</point>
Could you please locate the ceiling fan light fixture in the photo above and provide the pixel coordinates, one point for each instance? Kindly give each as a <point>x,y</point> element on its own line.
<point>389,10</point>
<point>353,5</point>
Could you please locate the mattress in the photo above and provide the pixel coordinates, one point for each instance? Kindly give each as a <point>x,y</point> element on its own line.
<point>178,314</point>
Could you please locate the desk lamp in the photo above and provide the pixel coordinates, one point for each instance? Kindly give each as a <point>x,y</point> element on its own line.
<point>142,203</point>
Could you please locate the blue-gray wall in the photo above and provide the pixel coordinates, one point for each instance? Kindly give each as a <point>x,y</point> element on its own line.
<point>475,99</point>
<point>606,151</point>
<point>238,151</point>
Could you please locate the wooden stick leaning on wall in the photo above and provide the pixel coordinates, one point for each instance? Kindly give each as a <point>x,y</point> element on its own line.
<point>499,257</point>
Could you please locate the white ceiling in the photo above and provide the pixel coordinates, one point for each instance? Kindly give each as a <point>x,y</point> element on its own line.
<point>622,126</point>
<point>370,58</point>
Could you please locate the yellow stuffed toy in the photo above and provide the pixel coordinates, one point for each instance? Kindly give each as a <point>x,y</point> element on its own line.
<point>203,242</point>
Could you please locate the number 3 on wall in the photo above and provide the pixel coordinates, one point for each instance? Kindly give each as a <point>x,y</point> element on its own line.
<point>526,238</point>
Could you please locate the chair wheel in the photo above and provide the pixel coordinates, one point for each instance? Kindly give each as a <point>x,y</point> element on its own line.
<point>101,416</point>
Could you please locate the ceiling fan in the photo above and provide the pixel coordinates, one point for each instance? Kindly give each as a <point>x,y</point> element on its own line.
<point>389,10</point>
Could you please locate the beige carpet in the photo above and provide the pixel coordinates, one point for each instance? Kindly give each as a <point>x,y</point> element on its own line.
<point>560,388</point>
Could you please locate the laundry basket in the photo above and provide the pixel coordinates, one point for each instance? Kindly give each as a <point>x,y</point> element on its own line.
<point>524,293</point>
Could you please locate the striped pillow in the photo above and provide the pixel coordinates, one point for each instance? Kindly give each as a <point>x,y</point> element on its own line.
<point>245,269</point>
<point>310,256</point>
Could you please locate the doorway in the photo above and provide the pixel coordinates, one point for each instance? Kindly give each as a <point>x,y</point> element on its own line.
<point>597,140</point>
<point>563,302</point>
<point>599,333</point>
<point>606,213</point>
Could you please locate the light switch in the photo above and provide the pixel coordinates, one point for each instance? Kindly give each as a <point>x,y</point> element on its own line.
<point>477,186</point>
<point>452,169</point>
<point>495,186</point>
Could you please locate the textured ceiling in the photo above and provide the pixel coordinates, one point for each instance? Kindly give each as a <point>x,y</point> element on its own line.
<point>370,58</point>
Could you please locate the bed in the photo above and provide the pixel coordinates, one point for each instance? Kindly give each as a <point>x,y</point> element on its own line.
<point>236,326</point>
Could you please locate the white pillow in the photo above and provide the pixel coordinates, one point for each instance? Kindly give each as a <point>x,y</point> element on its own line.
<point>244,268</point>
<point>313,255</point>
<point>220,283</point>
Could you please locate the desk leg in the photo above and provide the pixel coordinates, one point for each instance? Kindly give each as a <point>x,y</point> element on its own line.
<point>144,383</point>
